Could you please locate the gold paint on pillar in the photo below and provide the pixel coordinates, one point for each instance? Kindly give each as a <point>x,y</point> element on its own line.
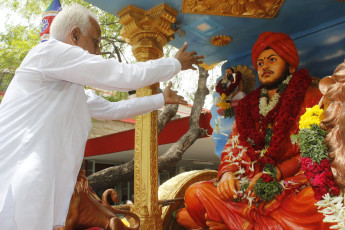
<point>147,32</point>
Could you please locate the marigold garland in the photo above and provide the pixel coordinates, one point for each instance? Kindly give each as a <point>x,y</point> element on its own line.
<point>311,116</point>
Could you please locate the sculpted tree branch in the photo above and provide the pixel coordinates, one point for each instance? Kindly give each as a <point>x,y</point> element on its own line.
<point>109,177</point>
<point>169,159</point>
<point>168,113</point>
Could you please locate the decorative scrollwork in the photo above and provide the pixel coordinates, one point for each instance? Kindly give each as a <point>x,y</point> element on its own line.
<point>234,8</point>
<point>248,77</point>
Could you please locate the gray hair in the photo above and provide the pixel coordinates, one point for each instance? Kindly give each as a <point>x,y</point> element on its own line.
<point>71,16</point>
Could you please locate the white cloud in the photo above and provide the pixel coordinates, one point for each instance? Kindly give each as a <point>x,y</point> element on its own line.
<point>335,55</point>
<point>334,39</point>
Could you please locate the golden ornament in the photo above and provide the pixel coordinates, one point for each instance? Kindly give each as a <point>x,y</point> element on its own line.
<point>220,40</point>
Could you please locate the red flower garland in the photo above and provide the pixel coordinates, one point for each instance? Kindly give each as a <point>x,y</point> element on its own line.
<point>266,178</point>
<point>252,125</point>
<point>320,177</point>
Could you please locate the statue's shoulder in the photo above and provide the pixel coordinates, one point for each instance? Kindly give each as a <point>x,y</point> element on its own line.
<point>313,96</point>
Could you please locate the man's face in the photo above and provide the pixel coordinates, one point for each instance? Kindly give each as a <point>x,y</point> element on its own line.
<point>90,41</point>
<point>271,68</point>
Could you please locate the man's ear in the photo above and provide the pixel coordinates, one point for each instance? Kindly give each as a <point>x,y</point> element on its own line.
<point>292,69</point>
<point>75,34</point>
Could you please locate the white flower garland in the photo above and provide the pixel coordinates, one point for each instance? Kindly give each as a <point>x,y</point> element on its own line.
<point>265,108</point>
<point>333,210</point>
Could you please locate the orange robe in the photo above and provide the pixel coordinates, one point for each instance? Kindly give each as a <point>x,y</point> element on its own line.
<point>292,209</point>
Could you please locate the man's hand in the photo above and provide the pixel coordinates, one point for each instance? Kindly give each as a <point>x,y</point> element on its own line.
<point>171,96</point>
<point>187,59</point>
<point>228,186</point>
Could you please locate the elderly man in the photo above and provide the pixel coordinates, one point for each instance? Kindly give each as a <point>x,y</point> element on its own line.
<point>243,197</point>
<point>45,116</point>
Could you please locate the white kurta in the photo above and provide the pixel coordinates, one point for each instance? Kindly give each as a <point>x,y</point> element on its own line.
<point>45,121</point>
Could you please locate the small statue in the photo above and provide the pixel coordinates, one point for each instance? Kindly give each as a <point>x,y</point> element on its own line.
<point>232,87</point>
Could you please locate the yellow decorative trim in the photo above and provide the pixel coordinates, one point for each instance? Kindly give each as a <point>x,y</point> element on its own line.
<point>220,40</point>
<point>234,8</point>
<point>208,67</point>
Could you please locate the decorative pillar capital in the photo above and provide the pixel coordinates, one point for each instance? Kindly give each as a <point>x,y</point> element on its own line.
<point>147,31</point>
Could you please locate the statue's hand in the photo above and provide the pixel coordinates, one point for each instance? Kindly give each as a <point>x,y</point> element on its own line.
<point>171,96</point>
<point>252,183</point>
<point>228,186</point>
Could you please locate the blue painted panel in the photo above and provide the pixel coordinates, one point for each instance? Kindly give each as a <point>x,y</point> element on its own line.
<point>304,20</point>
<point>221,127</point>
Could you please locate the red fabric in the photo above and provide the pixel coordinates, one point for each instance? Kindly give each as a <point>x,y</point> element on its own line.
<point>280,43</point>
<point>293,209</point>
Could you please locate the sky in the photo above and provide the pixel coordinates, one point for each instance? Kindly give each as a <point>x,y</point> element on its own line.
<point>10,17</point>
<point>2,20</point>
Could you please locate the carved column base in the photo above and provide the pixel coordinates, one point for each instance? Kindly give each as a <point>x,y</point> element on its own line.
<point>150,223</point>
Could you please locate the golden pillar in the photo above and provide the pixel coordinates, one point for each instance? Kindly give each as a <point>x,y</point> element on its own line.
<point>147,32</point>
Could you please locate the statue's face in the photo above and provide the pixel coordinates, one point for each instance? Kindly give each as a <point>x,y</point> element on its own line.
<point>271,68</point>
<point>228,72</point>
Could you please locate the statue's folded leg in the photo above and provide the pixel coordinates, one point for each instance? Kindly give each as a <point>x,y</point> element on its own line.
<point>185,220</point>
<point>200,199</point>
<point>291,211</point>
<point>194,205</point>
<point>193,216</point>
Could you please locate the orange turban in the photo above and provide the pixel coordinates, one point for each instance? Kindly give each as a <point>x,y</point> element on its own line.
<point>281,43</point>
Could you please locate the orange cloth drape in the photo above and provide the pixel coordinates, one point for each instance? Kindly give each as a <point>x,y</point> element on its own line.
<point>293,211</point>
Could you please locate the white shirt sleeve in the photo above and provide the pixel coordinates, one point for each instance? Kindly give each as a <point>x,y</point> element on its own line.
<point>102,109</point>
<point>57,60</point>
